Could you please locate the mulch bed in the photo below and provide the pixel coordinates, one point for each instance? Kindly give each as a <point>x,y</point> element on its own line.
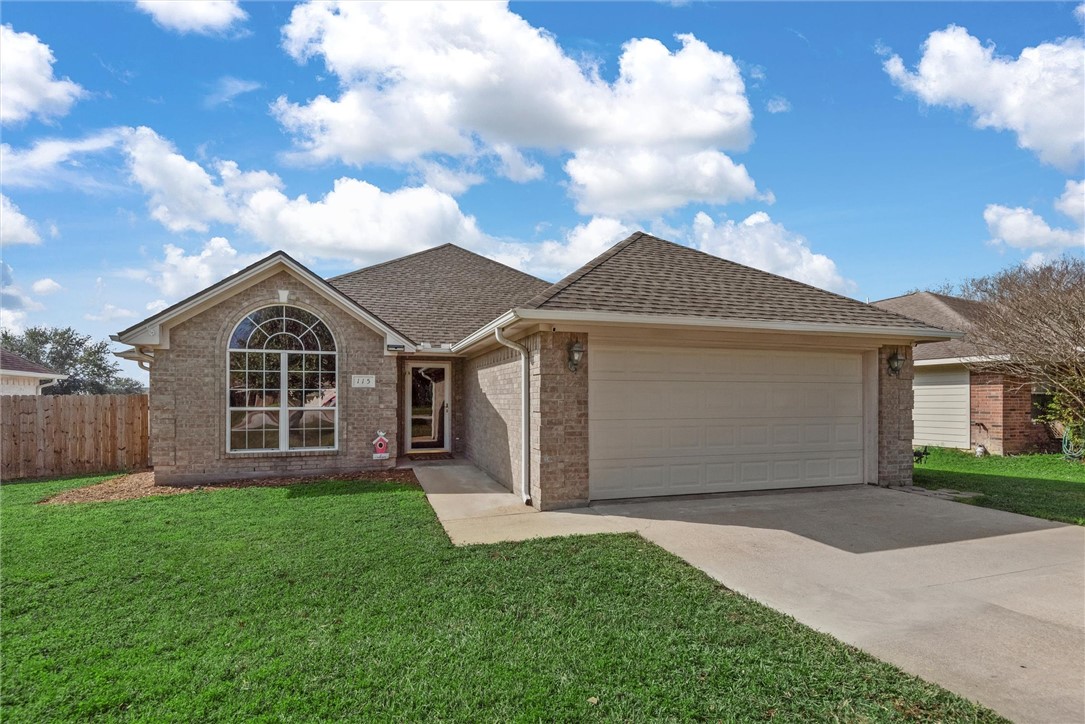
<point>142,485</point>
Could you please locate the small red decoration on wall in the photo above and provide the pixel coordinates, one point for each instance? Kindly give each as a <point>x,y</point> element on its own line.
<point>380,447</point>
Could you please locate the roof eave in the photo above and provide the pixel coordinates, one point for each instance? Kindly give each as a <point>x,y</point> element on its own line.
<point>36,375</point>
<point>916,334</point>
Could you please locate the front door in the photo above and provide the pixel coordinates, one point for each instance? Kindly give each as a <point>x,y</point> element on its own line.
<point>428,405</point>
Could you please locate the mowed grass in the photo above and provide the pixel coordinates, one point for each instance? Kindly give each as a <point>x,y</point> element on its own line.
<point>1043,486</point>
<point>345,600</point>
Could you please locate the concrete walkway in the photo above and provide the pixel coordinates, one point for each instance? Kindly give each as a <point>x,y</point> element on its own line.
<point>989,604</point>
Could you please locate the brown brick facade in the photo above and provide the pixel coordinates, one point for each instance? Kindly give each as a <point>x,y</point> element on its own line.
<point>559,422</point>
<point>188,394</point>
<point>559,418</point>
<point>1001,415</point>
<point>491,393</point>
<point>895,419</point>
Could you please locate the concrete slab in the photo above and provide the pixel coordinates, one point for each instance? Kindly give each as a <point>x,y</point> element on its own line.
<point>475,508</point>
<point>989,604</point>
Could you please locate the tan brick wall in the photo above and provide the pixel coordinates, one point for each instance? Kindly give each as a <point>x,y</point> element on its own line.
<point>895,402</point>
<point>188,394</point>
<point>559,422</point>
<point>491,402</point>
<point>1001,414</point>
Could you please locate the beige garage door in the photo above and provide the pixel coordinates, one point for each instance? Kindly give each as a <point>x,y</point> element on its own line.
<point>941,414</point>
<point>679,421</point>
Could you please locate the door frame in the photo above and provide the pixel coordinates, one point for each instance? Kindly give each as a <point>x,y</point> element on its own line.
<point>408,420</point>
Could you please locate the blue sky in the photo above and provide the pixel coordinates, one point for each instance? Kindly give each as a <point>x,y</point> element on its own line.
<point>149,149</point>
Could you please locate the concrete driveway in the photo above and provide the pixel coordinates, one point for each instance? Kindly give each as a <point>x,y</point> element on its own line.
<point>990,605</point>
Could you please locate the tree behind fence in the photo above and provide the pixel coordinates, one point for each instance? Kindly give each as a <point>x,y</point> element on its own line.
<point>48,435</point>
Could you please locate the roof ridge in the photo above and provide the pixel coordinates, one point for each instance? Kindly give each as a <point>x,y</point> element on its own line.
<point>576,275</point>
<point>389,261</point>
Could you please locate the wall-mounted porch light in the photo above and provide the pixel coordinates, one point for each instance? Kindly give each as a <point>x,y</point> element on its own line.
<point>895,362</point>
<point>576,355</point>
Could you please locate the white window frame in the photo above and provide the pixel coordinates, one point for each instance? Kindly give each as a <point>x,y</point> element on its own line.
<point>284,409</point>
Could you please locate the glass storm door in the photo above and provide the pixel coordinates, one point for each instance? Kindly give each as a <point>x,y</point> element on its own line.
<point>428,397</point>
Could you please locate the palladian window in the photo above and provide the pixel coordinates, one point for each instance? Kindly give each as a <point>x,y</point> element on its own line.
<point>282,378</point>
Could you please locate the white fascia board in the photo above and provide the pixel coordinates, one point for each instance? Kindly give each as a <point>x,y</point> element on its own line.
<point>156,332</point>
<point>35,375</point>
<point>485,332</point>
<point>960,360</point>
<point>929,334</point>
<point>924,333</point>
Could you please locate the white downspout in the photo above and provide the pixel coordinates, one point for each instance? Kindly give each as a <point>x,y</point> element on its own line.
<point>43,385</point>
<point>525,414</point>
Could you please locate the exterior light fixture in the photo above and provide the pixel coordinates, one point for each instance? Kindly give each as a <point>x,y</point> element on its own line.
<point>576,355</point>
<point>896,362</point>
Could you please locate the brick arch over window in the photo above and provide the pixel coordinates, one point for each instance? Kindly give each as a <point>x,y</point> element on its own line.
<point>283,384</point>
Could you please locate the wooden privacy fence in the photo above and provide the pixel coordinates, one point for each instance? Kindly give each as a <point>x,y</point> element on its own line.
<point>47,435</point>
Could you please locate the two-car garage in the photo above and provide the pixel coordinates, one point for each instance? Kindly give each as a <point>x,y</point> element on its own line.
<point>666,420</point>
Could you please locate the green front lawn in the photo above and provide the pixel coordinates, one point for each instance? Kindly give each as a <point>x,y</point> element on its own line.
<point>345,600</point>
<point>1044,486</point>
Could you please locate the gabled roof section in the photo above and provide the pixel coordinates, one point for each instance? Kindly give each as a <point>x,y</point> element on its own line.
<point>12,363</point>
<point>440,295</point>
<point>154,331</point>
<point>645,275</point>
<point>940,310</point>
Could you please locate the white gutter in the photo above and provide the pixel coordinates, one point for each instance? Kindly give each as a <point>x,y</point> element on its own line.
<point>664,320</point>
<point>960,360</point>
<point>525,414</point>
<point>43,385</point>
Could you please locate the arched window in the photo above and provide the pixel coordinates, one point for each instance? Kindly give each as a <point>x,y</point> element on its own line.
<point>282,376</point>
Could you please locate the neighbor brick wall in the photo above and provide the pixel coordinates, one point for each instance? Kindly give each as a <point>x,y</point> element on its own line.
<point>491,401</point>
<point>188,394</point>
<point>1001,415</point>
<point>559,422</point>
<point>895,400</point>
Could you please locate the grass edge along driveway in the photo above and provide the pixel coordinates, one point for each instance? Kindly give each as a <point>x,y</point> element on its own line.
<point>346,600</point>
<point>1043,486</point>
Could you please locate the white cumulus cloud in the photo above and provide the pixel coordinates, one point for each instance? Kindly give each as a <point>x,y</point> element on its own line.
<point>617,181</point>
<point>15,227</point>
<point>45,286</point>
<point>27,85</point>
<point>760,242</point>
<point>204,17</point>
<point>183,196</point>
<point>584,242</point>
<point>470,79</point>
<point>1072,201</point>
<point>179,274</point>
<point>1038,95</point>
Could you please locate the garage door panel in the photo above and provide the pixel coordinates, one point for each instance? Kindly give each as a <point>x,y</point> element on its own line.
<point>670,422</point>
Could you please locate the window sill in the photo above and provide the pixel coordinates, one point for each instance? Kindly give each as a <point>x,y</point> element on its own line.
<point>281,453</point>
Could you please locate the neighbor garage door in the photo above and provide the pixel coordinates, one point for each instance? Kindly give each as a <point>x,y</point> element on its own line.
<point>677,421</point>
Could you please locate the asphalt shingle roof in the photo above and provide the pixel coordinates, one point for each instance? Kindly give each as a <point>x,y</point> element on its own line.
<point>440,295</point>
<point>940,310</point>
<point>10,361</point>
<point>648,275</point>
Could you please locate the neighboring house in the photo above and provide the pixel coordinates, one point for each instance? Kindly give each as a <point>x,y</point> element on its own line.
<point>652,370</point>
<point>20,376</point>
<point>956,406</point>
